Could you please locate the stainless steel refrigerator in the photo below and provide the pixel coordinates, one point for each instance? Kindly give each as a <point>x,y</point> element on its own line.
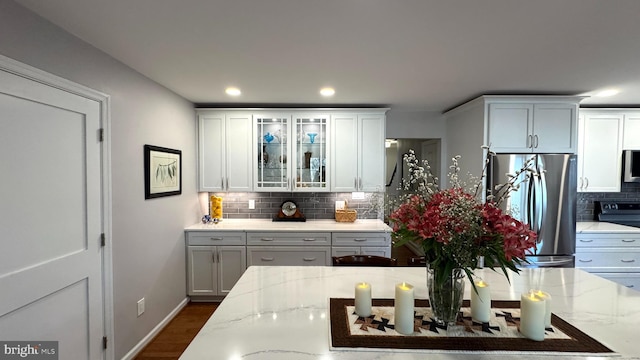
<point>546,202</point>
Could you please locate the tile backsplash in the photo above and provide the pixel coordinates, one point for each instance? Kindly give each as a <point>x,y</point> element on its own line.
<point>314,206</point>
<point>628,192</point>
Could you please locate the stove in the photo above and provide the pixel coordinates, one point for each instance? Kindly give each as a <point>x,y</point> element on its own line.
<point>623,213</point>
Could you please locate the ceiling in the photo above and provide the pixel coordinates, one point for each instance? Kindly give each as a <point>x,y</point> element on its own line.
<point>415,55</point>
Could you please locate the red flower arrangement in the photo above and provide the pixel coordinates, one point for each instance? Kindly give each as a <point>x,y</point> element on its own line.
<point>454,227</point>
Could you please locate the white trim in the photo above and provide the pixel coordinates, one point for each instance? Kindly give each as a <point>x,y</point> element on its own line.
<point>155,331</point>
<point>32,73</point>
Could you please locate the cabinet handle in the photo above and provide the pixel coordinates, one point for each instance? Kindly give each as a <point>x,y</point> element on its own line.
<point>359,183</point>
<point>266,259</point>
<point>587,240</point>
<point>581,182</point>
<point>222,183</point>
<point>359,239</point>
<point>213,257</point>
<point>309,239</point>
<point>628,240</point>
<point>586,180</point>
<point>215,239</point>
<point>218,252</point>
<point>227,184</point>
<point>529,141</point>
<point>355,183</point>
<point>581,260</point>
<point>627,261</point>
<point>630,286</point>
<point>309,259</point>
<point>536,138</point>
<point>266,239</point>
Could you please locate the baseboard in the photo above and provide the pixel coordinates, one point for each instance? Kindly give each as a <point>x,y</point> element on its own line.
<point>155,331</point>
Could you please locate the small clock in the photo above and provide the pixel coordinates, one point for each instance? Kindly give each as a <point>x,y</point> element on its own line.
<point>289,211</point>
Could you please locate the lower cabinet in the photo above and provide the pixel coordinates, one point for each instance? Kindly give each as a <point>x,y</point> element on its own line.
<point>215,261</point>
<point>613,256</point>
<point>366,243</point>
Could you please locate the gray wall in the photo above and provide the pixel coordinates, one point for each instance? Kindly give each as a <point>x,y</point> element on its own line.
<point>148,240</point>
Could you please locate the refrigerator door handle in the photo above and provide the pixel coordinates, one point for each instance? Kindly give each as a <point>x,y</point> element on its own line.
<point>542,200</point>
<point>530,213</point>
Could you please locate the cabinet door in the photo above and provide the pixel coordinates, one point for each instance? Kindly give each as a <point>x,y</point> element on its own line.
<point>239,158</point>
<point>372,164</point>
<point>631,138</point>
<point>271,164</point>
<point>211,152</point>
<point>309,161</point>
<point>232,262</point>
<point>601,153</point>
<point>202,271</point>
<point>344,152</point>
<point>510,127</point>
<point>554,128</point>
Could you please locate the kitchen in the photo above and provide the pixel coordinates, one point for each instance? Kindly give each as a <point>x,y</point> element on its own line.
<point>144,112</point>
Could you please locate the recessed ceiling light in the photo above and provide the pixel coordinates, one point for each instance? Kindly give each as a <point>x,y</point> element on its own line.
<point>607,92</point>
<point>232,91</point>
<point>327,91</point>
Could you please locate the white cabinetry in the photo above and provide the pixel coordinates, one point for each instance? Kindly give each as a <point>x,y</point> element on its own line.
<point>532,127</point>
<point>215,262</point>
<point>357,152</point>
<point>599,151</point>
<point>631,139</point>
<point>365,243</point>
<point>288,248</point>
<point>614,256</point>
<point>224,151</point>
<point>291,152</point>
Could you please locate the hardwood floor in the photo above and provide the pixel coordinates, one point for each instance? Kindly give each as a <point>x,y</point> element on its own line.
<point>176,336</point>
<point>171,342</point>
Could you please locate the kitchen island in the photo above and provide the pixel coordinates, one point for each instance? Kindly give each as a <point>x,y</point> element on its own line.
<point>282,313</point>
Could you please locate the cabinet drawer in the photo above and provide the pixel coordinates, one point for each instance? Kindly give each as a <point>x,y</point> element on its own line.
<point>289,238</point>
<point>630,280</point>
<point>361,239</point>
<point>288,256</point>
<point>608,240</point>
<point>609,260</point>
<point>216,238</point>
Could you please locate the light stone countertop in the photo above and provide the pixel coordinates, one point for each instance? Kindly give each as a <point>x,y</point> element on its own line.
<point>603,227</point>
<point>281,313</point>
<point>360,225</point>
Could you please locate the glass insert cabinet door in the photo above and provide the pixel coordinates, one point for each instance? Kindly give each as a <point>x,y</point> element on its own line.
<point>311,153</point>
<point>274,152</point>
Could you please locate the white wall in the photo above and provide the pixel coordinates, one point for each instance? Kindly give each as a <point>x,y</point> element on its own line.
<point>415,125</point>
<point>148,239</point>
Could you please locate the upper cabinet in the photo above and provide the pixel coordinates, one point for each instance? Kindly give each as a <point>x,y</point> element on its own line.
<point>224,157</point>
<point>291,151</point>
<point>285,150</point>
<point>357,152</point>
<point>536,127</point>
<point>631,138</point>
<point>599,151</point>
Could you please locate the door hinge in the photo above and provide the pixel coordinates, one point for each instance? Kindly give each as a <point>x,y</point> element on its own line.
<point>104,342</point>
<point>101,134</point>
<point>103,240</point>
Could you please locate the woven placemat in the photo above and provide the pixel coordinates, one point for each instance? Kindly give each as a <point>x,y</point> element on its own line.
<point>570,340</point>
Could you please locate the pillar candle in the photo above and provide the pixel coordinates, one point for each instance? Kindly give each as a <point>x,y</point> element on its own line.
<point>532,309</point>
<point>481,302</point>
<point>403,315</point>
<point>547,306</point>
<point>363,299</point>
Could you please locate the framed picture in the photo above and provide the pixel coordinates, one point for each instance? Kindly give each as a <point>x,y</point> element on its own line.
<point>162,172</point>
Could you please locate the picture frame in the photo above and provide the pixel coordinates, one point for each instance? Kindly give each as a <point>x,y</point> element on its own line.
<point>162,172</point>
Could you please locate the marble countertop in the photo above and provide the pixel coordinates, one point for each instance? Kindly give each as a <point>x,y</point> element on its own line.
<point>360,225</point>
<point>604,227</point>
<point>281,313</point>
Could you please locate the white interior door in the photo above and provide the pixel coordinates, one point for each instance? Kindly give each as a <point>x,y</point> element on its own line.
<point>50,218</point>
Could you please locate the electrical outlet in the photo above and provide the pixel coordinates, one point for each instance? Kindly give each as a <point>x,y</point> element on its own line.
<point>140,306</point>
<point>252,204</point>
<point>357,195</point>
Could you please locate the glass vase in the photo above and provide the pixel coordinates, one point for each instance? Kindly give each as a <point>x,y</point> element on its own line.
<point>445,294</point>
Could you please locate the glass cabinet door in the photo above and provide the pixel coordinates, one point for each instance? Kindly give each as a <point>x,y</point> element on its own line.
<point>273,153</point>
<point>311,153</point>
